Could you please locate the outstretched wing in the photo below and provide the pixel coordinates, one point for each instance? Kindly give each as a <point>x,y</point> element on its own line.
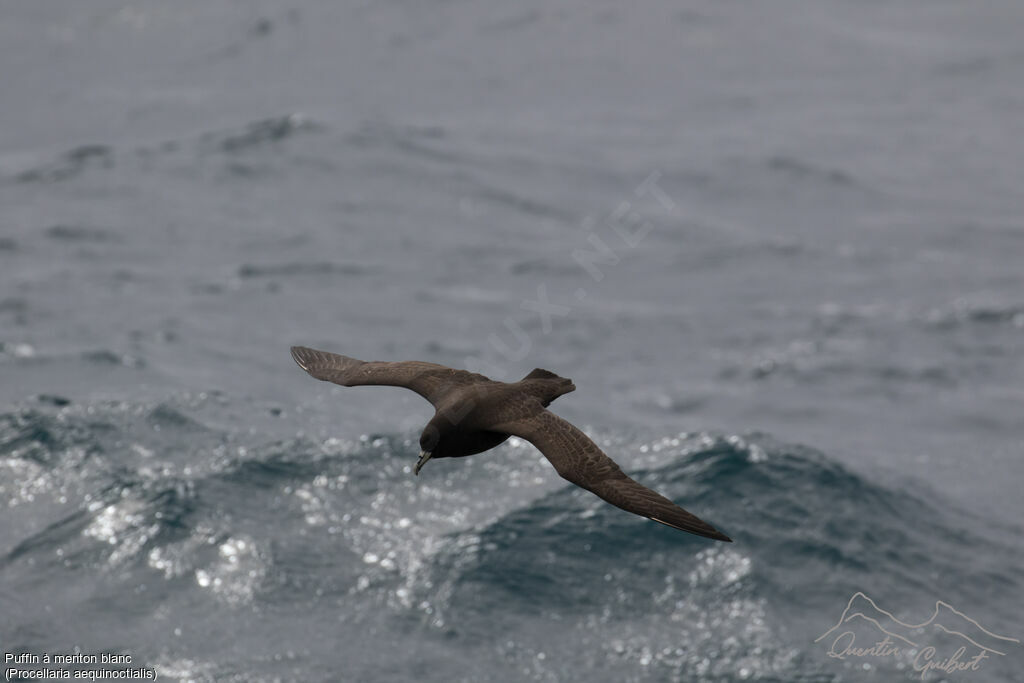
<point>429,380</point>
<point>579,460</point>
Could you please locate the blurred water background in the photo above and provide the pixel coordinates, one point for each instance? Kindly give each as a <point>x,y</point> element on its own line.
<point>777,246</point>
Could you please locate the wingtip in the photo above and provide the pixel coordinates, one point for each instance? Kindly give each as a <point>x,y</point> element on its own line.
<point>715,534</point>
<point>299,355</point>
<point>705,530</point>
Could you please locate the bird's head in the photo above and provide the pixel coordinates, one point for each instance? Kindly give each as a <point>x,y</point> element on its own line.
<point>430,446</point>
<point>430,439</point>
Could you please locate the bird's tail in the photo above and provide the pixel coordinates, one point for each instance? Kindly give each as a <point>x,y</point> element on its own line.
<point>546,385</point>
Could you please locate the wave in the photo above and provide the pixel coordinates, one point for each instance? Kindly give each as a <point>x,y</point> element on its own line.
<point>261,133</point>
<point>70,164</point>
<point>493,549</point>
<point>254,270</point>
<point>80,233</point>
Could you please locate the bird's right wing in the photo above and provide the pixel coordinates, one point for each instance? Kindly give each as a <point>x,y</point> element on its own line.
<point>579,460</point>
<point>429,380</point>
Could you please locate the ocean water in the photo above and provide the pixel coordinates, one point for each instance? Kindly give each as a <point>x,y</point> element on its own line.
<point>776,247</point>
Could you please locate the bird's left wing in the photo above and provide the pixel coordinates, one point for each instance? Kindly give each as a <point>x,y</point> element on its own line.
<point>578,459</point>
<point>429,380</point>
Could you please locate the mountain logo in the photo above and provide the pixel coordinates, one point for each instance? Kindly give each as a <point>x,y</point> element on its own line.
<point>969,643</point>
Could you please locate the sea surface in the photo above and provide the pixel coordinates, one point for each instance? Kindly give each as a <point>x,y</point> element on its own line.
<point>777,246</point>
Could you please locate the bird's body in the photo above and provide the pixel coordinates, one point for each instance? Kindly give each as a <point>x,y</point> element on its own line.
<point>474,414</point>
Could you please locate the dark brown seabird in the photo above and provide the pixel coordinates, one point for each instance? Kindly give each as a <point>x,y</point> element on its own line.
<point>474,414</point>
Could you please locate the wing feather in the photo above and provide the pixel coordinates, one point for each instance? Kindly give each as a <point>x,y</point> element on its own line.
<point>429,380</point>
<point>578,459</point>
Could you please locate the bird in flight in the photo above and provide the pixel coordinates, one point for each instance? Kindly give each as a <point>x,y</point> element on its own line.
<point>474,414</point>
